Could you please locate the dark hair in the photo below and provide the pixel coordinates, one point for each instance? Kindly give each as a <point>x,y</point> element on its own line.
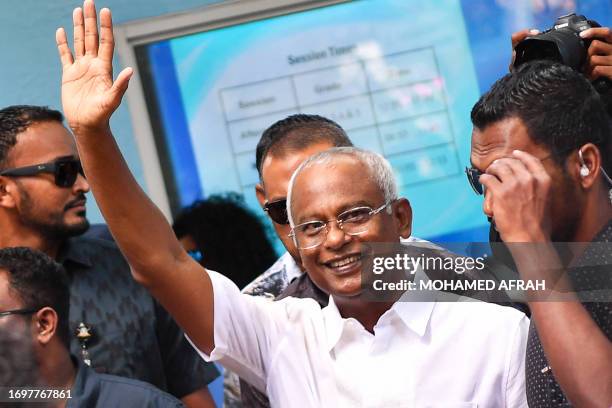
<point>559,107</point>
<point>233,241</point>
<point>18,118</point>
<point>39,282</point>
<point>297,132</point>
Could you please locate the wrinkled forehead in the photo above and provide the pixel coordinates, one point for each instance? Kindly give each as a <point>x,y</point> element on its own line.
<point>333,172</point>
<point>499,139</point>
<point>332,186</point>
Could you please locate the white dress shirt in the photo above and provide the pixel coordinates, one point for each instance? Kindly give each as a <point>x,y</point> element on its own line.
<point>422,354</point>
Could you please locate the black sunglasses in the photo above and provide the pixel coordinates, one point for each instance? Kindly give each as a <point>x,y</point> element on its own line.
<point>18,312</point>
<point>473,176</point>
<point>65,171</point>
<point>277,210</point>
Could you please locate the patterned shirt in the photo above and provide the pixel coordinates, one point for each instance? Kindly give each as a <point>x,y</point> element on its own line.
<point>543,391</point>
<point>275,279</point>
<point>131,334</point>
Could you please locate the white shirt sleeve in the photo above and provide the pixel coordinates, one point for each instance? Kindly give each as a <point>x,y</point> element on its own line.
<point>516,395</point>
<point>246,330</point>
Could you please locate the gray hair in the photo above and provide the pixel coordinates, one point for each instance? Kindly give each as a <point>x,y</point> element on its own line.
<point>378,168</point>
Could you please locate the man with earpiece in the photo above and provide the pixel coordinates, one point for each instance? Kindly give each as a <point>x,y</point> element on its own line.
<point>542,157</point>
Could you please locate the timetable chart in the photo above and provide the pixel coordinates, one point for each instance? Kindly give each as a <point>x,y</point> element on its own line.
<point>393,104</point>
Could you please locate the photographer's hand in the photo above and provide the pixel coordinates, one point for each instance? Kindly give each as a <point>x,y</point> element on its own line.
<point>599,55</point>
<point>516,38</point>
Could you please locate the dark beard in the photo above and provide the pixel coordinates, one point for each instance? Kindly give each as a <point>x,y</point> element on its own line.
<point>53,228</point>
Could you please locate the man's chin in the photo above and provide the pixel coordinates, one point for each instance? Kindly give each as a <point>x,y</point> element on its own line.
<point>348,290</point>
<point>74,228</point>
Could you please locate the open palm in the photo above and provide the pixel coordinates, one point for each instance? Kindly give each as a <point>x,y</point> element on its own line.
<point>89,95</point>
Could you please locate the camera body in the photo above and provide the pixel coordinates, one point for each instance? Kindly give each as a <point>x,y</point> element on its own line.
<point>561,43</point>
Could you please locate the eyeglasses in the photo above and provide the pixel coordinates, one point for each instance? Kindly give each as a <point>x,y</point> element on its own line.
<point>65,171</point>
<point>473,175</point>
<point>355,221</point>
<point>277,210</point>
<point>18,312</point>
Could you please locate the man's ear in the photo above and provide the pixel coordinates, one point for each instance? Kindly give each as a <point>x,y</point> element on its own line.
<point>261,194</point>
<point>587,165</point>
<point>8,189</point>
<point>403,216</point>
<point>46,325</point>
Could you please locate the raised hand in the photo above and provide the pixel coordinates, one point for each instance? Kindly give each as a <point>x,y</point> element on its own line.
<point>599,57</point>
<point>89,95</point>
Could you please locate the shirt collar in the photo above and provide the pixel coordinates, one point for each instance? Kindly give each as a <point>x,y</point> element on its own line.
<point>414,309</point>
<point>414,314</point>
<point>75,250</point>
<point>334,323</point>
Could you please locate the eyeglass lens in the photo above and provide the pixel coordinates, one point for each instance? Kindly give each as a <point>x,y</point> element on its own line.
<point>277,210</point>
<point>352,222</point>
<point>473,176</point>
<point>66,173</point>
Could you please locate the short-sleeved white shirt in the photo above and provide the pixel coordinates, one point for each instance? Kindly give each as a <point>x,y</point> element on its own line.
<point>422,354</point>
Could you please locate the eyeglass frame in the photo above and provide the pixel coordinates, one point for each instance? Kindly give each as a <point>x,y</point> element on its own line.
<point>49,167</point>
<point>473,174</point>
<point>371,214</point>
<point>18,312</point>
<point>267,205</point>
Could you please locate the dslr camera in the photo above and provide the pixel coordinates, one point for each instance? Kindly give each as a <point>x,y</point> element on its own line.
<point>561,43</point>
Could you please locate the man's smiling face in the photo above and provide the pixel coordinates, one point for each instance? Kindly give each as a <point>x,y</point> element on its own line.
<point>322,192</point>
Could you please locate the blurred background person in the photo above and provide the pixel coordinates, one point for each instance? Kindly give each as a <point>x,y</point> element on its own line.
<point>236,241</point>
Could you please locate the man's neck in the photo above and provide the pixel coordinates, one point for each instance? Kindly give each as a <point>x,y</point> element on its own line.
<point>57,370</point>
<point>13,236</point>
<point>596,215</point>
<point>365,312</point>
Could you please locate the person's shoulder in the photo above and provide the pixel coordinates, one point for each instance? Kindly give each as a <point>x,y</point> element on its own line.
<point>274,280</point>
<point>130,391</point>
<point>95,244</point>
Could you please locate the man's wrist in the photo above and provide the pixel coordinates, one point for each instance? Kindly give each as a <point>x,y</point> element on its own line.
<point>525,235</point>
<point>85,131</point>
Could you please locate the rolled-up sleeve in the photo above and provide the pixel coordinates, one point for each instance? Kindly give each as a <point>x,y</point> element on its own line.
<point>246,330</point>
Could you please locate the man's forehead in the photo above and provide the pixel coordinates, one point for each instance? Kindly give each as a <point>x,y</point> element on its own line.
<point>278,166</point>
<point>42,142</point>
<point>337,184</point>
<point>501,138</point>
